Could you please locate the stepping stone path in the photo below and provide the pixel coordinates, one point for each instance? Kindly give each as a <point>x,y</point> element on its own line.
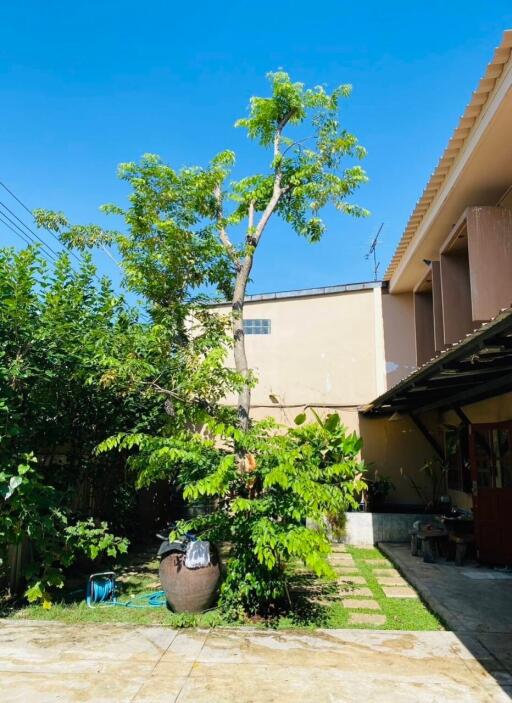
<point>360,604</point>
<point>342,570</point>
<point>339,548</point>
<point>382,563</point>
<point>391,581</point>
<point>341,559</point>
<point>354,593</point>
<point>399,592</point>
<point>366,619</point>
<point>359,580</point>
<point>385,572</point>
<point>357,592</point>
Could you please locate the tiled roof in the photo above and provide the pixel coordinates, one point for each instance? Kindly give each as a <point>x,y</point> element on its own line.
<point>467,122</point>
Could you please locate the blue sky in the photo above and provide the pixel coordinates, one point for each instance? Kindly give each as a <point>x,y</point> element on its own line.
<point>88,85</point>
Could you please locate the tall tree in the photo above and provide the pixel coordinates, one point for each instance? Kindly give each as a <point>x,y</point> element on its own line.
<point>182,225</point>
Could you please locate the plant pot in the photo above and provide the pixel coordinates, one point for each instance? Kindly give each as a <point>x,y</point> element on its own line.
<point>189,590</point>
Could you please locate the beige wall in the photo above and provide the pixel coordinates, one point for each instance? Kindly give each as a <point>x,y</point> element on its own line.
<point>323,350</point>
<point>399,339</point>
<point>396,449</point>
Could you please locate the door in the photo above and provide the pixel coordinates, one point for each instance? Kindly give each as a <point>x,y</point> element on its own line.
<point>491,475</point>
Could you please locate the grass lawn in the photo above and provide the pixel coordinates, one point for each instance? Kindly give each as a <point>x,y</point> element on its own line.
<point>317,603</point>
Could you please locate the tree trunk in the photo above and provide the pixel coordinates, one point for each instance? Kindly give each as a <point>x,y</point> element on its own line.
<point>237,307</point>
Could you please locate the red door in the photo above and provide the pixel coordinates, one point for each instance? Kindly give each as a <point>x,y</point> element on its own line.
<point>491,473</point>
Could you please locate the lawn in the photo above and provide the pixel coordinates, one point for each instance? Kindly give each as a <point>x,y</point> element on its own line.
<point>317,603</point>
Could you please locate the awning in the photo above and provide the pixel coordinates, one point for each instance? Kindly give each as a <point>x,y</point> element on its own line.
<point>476,368</point>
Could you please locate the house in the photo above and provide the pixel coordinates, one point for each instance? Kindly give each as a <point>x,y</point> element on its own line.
<point>453,268</point>
<point>420,364</point>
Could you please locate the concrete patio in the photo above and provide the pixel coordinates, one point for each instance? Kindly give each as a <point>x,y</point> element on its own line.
<point>474,601</point>
<point>51,662</point>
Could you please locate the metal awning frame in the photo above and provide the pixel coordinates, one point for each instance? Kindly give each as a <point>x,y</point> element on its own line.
<point>476,368</point>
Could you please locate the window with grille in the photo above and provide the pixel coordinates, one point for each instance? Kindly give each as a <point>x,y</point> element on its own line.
<point>257,326</point>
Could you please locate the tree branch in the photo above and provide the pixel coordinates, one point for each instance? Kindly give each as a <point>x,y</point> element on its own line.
<point>298,143</point>
<point>223,235</point>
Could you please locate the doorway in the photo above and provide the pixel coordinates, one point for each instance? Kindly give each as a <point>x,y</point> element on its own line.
<point>490,447</point>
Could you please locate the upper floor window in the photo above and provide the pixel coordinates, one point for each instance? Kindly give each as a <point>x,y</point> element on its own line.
<point>257,326</point>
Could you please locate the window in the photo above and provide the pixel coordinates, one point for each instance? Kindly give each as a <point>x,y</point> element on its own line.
<point>493,455</point>
<point>457,458</point>
<point>257,326</point>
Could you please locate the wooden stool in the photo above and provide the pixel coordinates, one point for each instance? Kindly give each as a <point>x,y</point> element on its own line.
<point>430,543</point>
<point>461,543</point>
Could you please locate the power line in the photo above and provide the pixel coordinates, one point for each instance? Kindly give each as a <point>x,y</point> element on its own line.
<point>30,231</point>
<point>80,261</point>
<point>50,251</point>
<point>29,241</point>
<point>2,204</point>
<point>23,237</point>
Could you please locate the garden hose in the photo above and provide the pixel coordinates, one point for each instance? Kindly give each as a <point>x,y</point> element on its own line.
<point>101,590</point>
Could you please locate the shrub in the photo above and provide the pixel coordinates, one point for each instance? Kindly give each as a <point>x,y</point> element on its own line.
<point>265,486</point>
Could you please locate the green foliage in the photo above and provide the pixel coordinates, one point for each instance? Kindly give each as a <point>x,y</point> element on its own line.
<point>59,396</point>
<point>34,511</point>
<point>180,248</point>
<point>264,503</point>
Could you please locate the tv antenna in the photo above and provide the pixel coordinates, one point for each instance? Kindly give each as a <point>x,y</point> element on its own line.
<point>372,251</point>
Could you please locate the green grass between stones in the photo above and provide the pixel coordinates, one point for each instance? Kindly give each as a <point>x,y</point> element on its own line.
<point>317,603</point>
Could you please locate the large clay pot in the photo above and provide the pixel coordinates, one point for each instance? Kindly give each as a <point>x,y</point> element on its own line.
<point>189,590</point>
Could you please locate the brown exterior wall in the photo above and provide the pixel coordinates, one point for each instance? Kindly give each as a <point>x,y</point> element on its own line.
<point>456,295</point>
<point>399,339</point>
<point>490,260</point>
<point>424,326</point>
<point>437,303</point>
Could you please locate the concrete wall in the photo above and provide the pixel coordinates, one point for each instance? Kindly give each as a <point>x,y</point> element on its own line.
<point>324,350</point>
<point>370,528</point>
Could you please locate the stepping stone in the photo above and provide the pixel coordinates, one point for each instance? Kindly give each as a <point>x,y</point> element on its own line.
<point>386,572</point>
<point>356,592</point>
<point>399,592</point>
<point>346,569</point>
<point>338,548</point>
<point>382,563</point>
<point>356,580</point>
<point>341,564</point>
<point>366,619</point>
<point>341,556</point>
<point>391,581</point>
<point>360,604</point>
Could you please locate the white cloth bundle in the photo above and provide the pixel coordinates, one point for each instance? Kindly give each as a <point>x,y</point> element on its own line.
<point>198,555</point>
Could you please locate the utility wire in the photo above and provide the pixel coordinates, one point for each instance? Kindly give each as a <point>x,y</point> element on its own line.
<point>30,232</point>
<point>51,253</point>
<point>2,204</point>
<point>21,236</point>
<point>25,207</point>
<point>24,236</point>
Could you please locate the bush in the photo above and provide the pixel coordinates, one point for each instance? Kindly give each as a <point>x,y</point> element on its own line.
<point>31,509</point>
<point>265,486</point>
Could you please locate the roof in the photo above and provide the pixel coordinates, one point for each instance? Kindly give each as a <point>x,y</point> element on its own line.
<point>467,123</point>
<point>477,367</point>
<point>309,292</point>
